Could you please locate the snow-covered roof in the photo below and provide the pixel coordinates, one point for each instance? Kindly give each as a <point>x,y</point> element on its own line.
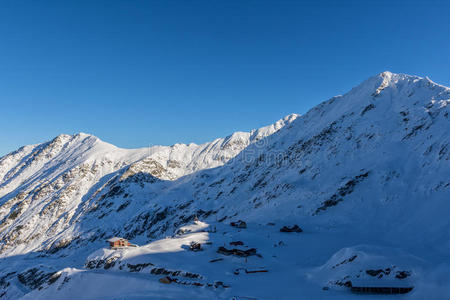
<point>115,239</point>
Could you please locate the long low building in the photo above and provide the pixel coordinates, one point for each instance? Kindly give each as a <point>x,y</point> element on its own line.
<point>381,286</point>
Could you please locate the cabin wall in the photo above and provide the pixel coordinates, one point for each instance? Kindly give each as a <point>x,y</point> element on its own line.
<point>120,243</point>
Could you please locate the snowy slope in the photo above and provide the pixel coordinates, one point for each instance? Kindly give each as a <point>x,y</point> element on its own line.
<point>365,174</point>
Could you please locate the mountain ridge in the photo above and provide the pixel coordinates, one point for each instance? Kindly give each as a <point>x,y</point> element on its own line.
<point>57,171</point>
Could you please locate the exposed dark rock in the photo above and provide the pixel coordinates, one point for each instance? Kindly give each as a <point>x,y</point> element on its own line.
<point>413,131</point>
<point>402,274</point>
<point>123,206</point>
<point>110,262</point>
<point>346,261</point>
<point>163,271</point>
<point>166,280</point>
<point>239,224</point>
<point>138,267</point>
<point>237,243</point>
<point>114,191</point>
<point>379,272</point>
<point>93,264</point>
<point>194,246</point>
<point>341,192</point>
<point>34,278</point>
<point>59,245</point>
<point>294,228</point>
<point>367,108</point>
<point>218,284</point>
<point>205,214</point>
<point>54,278</point>
<point>217,182</point>
<point>4,281</point>
<point>343,282</point>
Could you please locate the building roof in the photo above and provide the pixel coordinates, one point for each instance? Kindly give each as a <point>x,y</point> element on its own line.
<point>369,282</point>
<point>114,239</point>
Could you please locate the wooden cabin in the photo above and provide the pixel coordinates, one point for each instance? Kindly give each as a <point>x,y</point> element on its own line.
<point>116,242</point>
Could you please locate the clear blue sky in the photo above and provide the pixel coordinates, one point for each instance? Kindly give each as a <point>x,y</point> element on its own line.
<point>136,73</point>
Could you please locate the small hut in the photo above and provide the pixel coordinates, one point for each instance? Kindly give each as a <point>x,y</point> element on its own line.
<point>116,242</point>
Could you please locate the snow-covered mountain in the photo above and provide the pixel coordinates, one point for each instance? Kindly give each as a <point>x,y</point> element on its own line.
<point>366,175</point>
<point>46,188</point>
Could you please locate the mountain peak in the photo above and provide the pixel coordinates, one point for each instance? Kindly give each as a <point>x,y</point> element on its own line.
<point>386,74</point>
<point>374,85</point>
<point>64,137</point>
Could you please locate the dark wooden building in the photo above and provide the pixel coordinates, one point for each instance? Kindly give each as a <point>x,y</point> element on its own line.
<point>381,287</point>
